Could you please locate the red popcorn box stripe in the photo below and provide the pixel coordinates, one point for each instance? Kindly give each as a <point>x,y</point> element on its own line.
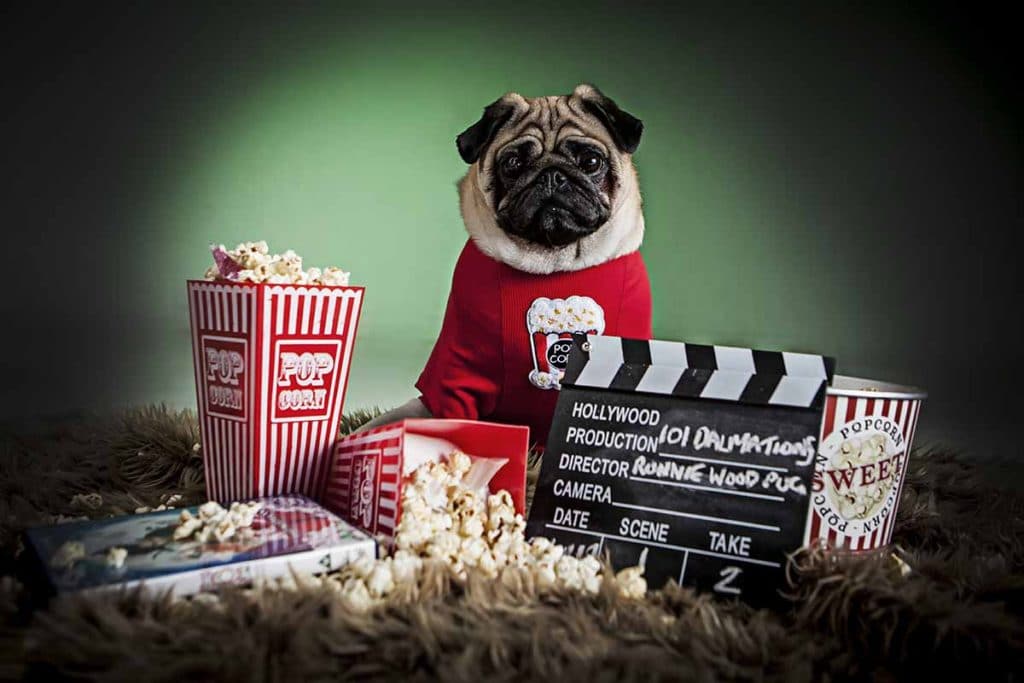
<point>271,365</point>
<point>365,481</point>
<point>866,434</point>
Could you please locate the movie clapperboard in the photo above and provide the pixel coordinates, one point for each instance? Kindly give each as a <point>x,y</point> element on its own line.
<point>693,460</point>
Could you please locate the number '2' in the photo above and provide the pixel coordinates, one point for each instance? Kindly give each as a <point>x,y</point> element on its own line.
<point>728,574</point>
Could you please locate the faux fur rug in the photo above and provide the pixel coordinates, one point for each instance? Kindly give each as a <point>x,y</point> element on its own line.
<point>958,614</point>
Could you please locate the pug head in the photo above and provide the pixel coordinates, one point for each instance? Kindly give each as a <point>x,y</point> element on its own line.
<point>551,184</point>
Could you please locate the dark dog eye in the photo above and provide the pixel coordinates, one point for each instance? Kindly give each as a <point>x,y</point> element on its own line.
<point>511,165</point>
<point>590,162</point>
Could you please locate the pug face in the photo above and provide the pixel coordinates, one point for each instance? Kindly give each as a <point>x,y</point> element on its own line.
<point>551,184</point>
<point>552,192</point>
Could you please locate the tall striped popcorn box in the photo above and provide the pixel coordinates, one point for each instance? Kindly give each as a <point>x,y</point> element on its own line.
<point>271,364</point>
<point>364,485</point>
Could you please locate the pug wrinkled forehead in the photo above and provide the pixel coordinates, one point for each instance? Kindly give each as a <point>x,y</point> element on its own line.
<point>551,184</point>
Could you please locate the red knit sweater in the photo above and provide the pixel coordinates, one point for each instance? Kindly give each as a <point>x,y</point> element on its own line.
<point>502,347</point>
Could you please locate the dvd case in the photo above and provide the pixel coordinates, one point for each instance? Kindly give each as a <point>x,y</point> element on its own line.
<point>288,534</point>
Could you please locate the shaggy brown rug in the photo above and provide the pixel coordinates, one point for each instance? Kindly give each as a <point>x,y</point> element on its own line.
<point>957,614</point>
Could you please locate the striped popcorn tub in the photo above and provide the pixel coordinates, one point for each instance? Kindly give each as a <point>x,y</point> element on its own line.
<point>866,433</point>
<point>271,364</point>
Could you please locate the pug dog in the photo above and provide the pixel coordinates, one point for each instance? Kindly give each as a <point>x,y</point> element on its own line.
<point>553,211</point>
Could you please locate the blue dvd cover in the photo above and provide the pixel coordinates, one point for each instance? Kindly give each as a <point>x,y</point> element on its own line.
<point>288,533</point>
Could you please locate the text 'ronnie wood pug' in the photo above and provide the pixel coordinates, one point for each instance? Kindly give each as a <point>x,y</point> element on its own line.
<point>552,208</point>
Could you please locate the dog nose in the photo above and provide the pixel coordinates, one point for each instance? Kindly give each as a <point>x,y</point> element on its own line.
<point>555,180</point>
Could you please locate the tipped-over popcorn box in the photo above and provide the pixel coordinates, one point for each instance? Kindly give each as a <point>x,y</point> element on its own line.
<point>365,482</point>
<point>271,364</point>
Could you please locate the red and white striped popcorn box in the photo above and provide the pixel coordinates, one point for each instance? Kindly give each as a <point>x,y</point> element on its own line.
<point>860,469</point>
<point>271,364</point>
<point>364,485</point>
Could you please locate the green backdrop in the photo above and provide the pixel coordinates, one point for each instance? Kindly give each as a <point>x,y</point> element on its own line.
<point>811,182</point>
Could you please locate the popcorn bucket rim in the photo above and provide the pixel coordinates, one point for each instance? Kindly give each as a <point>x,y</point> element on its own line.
<point>869,388</point>
<point>232,283</point>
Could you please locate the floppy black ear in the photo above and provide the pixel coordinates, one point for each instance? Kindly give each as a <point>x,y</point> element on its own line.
<point>624,127</point>
<point>474,140</point>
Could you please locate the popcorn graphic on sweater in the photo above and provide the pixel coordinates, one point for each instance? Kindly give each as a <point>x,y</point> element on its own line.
<point>551,324</point>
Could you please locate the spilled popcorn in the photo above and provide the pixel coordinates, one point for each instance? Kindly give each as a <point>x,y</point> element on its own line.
<point>169,503</point>
<point>87,501</point>
<point>116,557</point>
<point>443,520</point>
<point>213,521</point>
<point>66,555</point>
<point>253,262</point>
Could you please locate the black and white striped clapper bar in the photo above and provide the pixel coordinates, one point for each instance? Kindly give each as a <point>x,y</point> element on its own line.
<point>695,461</point>
<point>725,373</point>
